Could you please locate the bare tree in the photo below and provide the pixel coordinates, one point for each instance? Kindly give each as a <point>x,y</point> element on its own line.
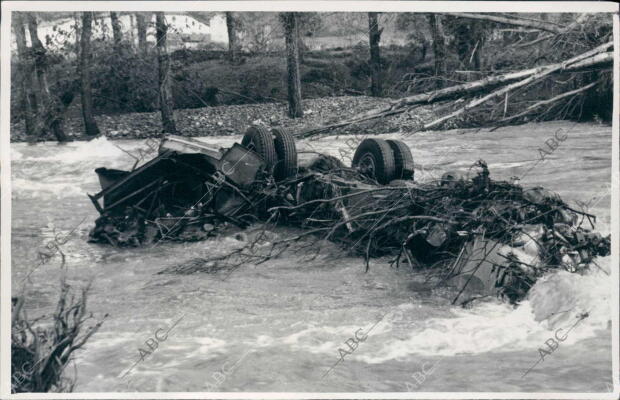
<point>39,54</point>
<point>132,27</point>
<point>165,93</point>
<point>116,30</point>
<point>470,36</point>
<point>439,48</point>
<point>374,36</point>
<point>90,126</point>
<point>119,85</point>
<point>232,36</point>
<point>291,34</point>
<point>26,75</point>
<point>52,108</point>
<point>141,27</point>
<point>308,23</point>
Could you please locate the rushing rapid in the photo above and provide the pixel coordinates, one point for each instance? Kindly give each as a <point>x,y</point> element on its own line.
<point>281,325</point>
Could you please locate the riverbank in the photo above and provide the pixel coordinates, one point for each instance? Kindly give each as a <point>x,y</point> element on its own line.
<point>235,119</point>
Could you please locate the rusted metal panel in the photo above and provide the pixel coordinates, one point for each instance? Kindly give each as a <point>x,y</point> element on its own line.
<point>241,165</point>
<point>184,145</point>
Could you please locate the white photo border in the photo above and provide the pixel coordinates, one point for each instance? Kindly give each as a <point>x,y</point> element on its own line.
<point>308,6</point>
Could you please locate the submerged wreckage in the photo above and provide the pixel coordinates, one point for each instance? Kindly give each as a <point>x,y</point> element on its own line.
<point>483,236</point>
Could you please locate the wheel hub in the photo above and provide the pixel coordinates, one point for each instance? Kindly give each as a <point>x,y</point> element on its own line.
<point>367,165</point>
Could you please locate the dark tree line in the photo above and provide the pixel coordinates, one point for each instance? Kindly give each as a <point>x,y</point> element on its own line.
<point>44,108</point>
<point>458,41</point>
<point>44,111</point>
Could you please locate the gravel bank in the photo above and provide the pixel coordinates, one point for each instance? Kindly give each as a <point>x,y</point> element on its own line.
<point>235,119</point>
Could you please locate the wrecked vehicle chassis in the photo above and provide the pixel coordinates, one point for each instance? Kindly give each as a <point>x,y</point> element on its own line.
<point>482,236</point>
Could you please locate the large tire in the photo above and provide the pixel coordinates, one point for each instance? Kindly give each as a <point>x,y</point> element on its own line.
<point>375,159</point>
<point>403,160</point>
<point>284,143</point>
<point>258,139</point>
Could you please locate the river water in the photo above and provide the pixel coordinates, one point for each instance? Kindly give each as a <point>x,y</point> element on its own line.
<point>279,326</point>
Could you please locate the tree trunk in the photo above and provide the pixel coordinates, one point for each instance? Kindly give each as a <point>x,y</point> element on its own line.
<point>469,39</point>
<point>26,74</point>
<point>120,82</point>
<point>439,49</point>
<point>39,54</point>
<point>141,27</point>
<point>116,31</point>
<point>165,94</point>
<point>232,37</point>
<point>374,36</point>
<point>49,119</point>
<point>77,20</point>
<point>132,27</point>
<point>90,126</point>
<point>291,35</point>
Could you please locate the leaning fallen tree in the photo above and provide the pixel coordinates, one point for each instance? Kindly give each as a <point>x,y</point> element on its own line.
<point>466,230</point>
<point>599,57</point>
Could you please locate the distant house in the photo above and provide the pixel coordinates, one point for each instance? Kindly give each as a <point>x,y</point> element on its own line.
<point>186,31</point>
<point>183,30</point>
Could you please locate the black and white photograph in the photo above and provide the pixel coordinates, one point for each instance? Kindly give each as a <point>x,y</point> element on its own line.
<point>304,200</point>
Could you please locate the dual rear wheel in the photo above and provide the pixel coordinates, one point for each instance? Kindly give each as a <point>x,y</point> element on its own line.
<point>378,159</point>
<point>384,160</point>
<point>276,147</point>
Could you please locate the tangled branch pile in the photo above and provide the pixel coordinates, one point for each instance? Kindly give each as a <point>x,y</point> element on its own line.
<point>40,351</point>
<point>434,226</point>
<point>468,231</point>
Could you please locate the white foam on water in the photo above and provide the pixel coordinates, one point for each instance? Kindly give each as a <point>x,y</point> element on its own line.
<point>15,155</point>
<point>564,295</point>
<point>98,148</point>
<point>63,171</point>
<point>26,188</point>
<point>552,309</point>
<point>208,344</point>
<point>319,339</point>
<point>555,302</point>
<point>263,341</point>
